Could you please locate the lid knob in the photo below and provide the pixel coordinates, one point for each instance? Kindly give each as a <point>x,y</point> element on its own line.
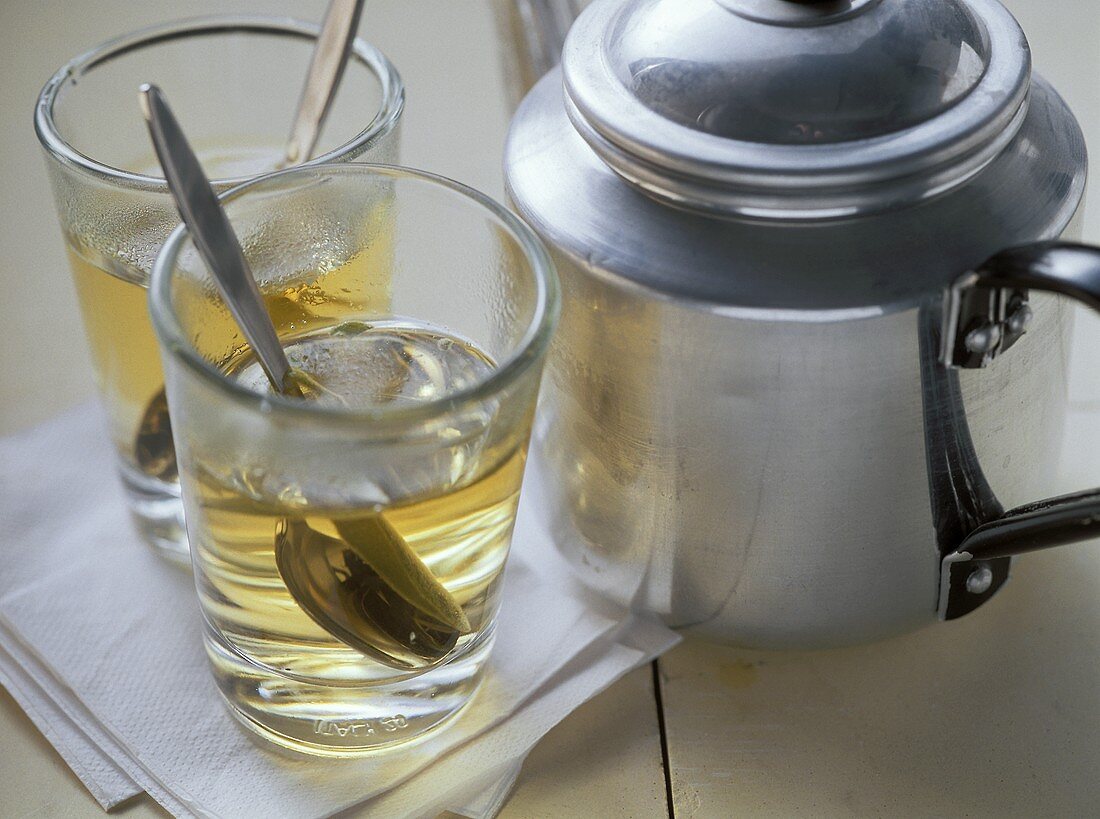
<point>796,12</point>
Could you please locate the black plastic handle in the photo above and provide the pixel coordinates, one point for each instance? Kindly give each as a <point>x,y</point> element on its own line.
<point>986,314</point>
<point>1059,267</point>
<point>1040,525</point>
<point>1072,270</point>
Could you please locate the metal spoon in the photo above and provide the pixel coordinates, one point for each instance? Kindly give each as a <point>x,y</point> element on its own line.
<point>330,57</point>
<point>153,450</point>
<point>368,588</point>
<point>350,598</point>
<point>212,235</point>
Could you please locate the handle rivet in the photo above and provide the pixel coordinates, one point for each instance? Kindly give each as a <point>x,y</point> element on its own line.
<point>1020,319</point>
<point>983,339</point>
<point>980,580</point>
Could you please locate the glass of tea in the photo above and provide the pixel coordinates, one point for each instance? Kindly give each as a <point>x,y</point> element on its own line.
<point>234,81</point>
<point>348,546</point>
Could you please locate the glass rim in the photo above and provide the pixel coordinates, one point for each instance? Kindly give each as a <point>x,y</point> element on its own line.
<point>393,90</point>
<point>529,349</point>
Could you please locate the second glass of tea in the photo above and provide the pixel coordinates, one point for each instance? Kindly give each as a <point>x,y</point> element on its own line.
<point>348,547</point>
<point>234,82</point>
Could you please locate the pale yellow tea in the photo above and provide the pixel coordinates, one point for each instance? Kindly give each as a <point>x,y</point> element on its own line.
<point>121,343</point>
<point>404,574</point>
<point>124,351</point>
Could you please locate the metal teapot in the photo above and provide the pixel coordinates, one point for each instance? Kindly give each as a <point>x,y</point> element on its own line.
<point>810,374</point>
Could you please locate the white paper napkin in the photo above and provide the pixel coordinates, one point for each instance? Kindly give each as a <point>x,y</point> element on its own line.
<point>100,643</point>
<point>106,781</point>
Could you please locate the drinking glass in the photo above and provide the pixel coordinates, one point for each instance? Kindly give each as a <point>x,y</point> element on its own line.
<point>348,547</point>
<point>234,82</point>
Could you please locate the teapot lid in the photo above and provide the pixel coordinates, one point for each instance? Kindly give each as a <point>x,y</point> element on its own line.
<point>796,109</point>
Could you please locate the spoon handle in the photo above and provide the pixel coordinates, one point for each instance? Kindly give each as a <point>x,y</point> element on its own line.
<point>212,234</point>
<point>330,56</point>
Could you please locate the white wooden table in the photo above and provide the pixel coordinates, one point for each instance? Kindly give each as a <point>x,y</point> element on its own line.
<point>997,714</point>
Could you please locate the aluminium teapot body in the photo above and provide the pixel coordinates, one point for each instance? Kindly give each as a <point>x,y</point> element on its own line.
<point>801,413</point>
